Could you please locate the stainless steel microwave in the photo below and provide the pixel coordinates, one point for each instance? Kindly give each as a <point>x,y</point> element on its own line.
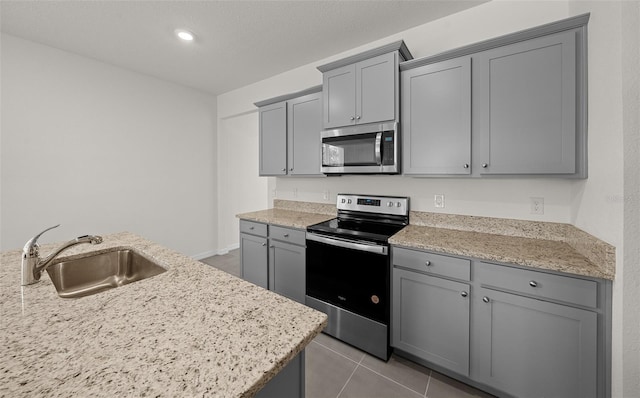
<point>366,149</point>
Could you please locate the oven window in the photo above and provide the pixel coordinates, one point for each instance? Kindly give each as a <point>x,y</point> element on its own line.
<point>351,279</point>
<point>355,150</point>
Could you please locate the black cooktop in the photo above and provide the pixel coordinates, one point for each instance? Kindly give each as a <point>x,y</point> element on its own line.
<point>357,229</point>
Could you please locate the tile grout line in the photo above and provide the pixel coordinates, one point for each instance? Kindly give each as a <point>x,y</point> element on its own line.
<point>350,376</point>
<point>359,364</point>
<point>428,383</point>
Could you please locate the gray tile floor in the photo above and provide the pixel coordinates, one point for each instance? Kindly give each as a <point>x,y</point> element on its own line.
<point>337,370</point>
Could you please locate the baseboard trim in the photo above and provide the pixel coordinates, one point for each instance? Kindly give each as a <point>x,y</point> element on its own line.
<point>219,252</point>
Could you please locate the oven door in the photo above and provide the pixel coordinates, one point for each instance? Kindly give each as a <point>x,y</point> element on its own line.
<point>349,274</point>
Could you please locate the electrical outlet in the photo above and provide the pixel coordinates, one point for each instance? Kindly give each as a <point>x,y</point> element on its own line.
<point>438,201</point>
<point>325,195</point>
<point>295,192</point>
<point>537,205</point>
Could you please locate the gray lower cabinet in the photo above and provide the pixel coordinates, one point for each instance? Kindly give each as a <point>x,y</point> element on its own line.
<point>289,383</point>
<point>531,348</point>
<point>436,118</point>
<point>509,330</point>
<point>287,270</point>
<point>431,319</point>
<point>274,258</point>
<point>254,253</point>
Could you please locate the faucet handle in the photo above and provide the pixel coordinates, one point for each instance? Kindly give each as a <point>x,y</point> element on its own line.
<point>31,247</point>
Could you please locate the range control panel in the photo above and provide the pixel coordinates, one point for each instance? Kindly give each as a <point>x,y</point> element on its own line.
<point>396,205</point>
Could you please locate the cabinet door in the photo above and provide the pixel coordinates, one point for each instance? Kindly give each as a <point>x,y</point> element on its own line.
<point>339,91</point>
<point>533,348</point>
<point>287,270</point>
<point>253,259</point>
<point>304,127</point>
<point>431,319</point>
<point>526,106</point>
<point>273,139</point>
<point>376,94</point>
<point>436,118</point>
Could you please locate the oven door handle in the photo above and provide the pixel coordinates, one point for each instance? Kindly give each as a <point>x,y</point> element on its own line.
<point>349,244</point>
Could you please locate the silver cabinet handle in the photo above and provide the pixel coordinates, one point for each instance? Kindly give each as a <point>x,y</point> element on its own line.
<point>466,165</point>
<point>271,246</point>
<point>485,299</point>
<point>533,284</point>
<point>358,117</point>
<point>352,118</point>
<point>286,235</point>
<point>427,263</point>
<point>485,165</point>
<point>264,244</point>
<point>291,169</point>
<point>252,228</point>
<point>285,169</point>
<point>464,294</point>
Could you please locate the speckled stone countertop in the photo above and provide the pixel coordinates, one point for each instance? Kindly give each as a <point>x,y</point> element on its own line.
<point>537,253</point>
<point>286,217</point>
<point>544,245</point>
<point>191,331</point>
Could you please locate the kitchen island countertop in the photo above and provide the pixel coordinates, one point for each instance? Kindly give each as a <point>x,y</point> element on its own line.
<point>191,331</point>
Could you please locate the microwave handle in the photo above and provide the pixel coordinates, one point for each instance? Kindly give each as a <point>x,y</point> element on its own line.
<point>378,150</point>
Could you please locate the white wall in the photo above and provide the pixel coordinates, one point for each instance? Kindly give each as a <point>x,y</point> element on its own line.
<point>597,205</point>
<point>101,149</point>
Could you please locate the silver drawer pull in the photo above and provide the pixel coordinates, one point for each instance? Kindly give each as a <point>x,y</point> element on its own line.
<point>286,235</point>
<point>427,263</point>
<point>533,284</point>
<point>252,228</point>
<point>271,246</point>
<point>264,244</point>
<point>464,294</point>
<point>485,299</point>
<point>485,165</point>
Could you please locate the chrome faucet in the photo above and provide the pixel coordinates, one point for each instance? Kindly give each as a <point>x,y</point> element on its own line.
<point>33,266</point>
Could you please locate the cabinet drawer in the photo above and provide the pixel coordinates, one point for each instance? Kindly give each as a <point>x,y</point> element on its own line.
<point>436,264</point>
<point>295,236</point>
<point>538,284</point>
<point>253,228</point>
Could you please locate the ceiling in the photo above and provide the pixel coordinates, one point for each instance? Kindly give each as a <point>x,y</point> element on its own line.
<point>237,42</point>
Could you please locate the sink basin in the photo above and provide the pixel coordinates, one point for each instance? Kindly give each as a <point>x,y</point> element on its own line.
<point>97,273</point>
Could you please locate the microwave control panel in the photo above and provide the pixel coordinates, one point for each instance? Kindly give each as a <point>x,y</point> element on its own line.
<point>388,148</point>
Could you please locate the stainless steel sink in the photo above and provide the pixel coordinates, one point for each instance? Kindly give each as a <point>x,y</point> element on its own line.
<point>97,273</point>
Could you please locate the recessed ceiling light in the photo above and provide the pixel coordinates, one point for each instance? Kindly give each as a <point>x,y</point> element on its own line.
<point>184,34</point>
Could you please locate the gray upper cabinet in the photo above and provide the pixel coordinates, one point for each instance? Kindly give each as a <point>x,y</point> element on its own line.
<point>273,139</point>
<point>361,93</point>
<point>513,105</point>
<point>290,128</point>
<point>436,118</point>
<point>303,134</point>
<point>526,106</point>
<point>363,88</point>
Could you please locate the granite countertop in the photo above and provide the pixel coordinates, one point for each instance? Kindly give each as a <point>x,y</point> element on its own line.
<point>536,253</point>
<point>286,218</point>
<point>191,331</point>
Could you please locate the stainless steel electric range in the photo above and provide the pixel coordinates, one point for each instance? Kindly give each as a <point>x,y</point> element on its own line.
<point>348,269</point>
